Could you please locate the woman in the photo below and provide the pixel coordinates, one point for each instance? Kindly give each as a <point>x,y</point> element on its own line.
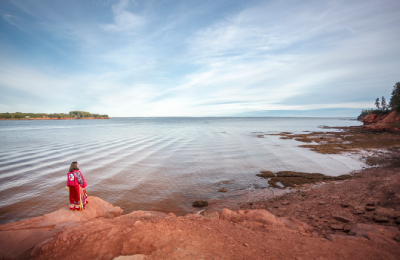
<point>76,185</point>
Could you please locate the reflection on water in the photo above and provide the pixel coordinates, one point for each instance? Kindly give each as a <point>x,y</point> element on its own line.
<point>159,164</point>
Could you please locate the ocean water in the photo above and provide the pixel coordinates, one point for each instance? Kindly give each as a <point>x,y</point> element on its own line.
<point>161,164</point>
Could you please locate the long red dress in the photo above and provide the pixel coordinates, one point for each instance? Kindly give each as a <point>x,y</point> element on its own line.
<point>77,192</point>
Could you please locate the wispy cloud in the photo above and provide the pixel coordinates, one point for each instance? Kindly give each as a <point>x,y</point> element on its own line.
<point>185,59</point>
<point>125,21</point>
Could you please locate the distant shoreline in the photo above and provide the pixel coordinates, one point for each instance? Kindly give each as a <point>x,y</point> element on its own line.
<point>48,118</point>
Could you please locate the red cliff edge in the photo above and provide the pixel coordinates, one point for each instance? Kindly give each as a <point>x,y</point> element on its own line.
<point>382,123</point>
<point>101,232</point>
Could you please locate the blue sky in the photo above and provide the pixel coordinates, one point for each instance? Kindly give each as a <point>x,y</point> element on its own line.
<point>198,58</point>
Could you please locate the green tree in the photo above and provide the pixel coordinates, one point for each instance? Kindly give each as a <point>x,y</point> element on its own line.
<point>395,99</point>
<point>18,115</point>
<point>7,115</point>
<point>383,104</point>
<point>377,103</point>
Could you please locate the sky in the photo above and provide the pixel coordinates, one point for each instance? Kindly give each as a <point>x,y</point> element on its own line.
<point>198,58</point>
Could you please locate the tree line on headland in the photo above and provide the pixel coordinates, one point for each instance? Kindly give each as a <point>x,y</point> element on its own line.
<point>382,107</point>
<point>70,115</point>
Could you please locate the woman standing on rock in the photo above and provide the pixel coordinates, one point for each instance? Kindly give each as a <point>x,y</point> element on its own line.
<point>76,185</point>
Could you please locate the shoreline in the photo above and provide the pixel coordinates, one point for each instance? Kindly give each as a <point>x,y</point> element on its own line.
<point>262,230</point>
<point>370,197</point>
<point>48,118</point>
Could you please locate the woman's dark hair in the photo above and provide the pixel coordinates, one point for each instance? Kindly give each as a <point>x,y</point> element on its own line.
<point>73,167</point>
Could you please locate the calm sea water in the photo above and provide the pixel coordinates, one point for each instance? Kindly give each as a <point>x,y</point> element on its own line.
<point>161,164</point>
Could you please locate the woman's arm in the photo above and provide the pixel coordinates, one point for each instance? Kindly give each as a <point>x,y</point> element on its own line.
<point>78,177</point>
<point>83,182</point>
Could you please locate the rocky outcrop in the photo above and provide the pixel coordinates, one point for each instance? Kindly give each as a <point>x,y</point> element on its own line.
<point>243,234</point>
<point>293,179</point>
<point>258,215</point>
<point>97,233</point>
<point>373,118</point>
<point>17,238</point>
<point>382,122</point>
<point>377,233</point>
<point>265,217</point>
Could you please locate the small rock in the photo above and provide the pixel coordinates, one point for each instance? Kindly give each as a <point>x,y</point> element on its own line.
<point>381,219</point>
<point>285,202</point>
<point>315,234</point>
<point>345,205</point>
<point>321,202</point>
<point>200,203</point>
<point>138,223</point>
<point>266,174</point>
<point>357,211</point>
<point>371,203</point>
<point>331,237</point>
<point>336,227</point>
<point>370,208</point>
<point>341,219</point>
<point>348,227</point>
<point>335,197</point>
<point>368,217</point>
<point>222,190</point>
<point>245,244</point>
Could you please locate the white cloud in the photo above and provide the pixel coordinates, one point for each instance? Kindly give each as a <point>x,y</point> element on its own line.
<point>125,21</point>
<point>268,56</point>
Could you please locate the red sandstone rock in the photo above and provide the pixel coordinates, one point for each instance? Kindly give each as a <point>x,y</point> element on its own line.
<point>375,233</point>
<point>336,227</point>
<point>243,234</point>
<point>382,123</point>
<point>258,215</point>
<point>333,237</point>
<point>373,118</point>
<point>348,227</point>
<point>381,219</point>
<point>161,236</point>
<point>21,236</point>
<point>341,219</point>
<point>294,224</point>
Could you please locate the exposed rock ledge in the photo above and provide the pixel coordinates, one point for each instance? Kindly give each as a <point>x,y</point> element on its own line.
<point>383,122</point>
<point>97,233</point>
<point>19,237</point>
